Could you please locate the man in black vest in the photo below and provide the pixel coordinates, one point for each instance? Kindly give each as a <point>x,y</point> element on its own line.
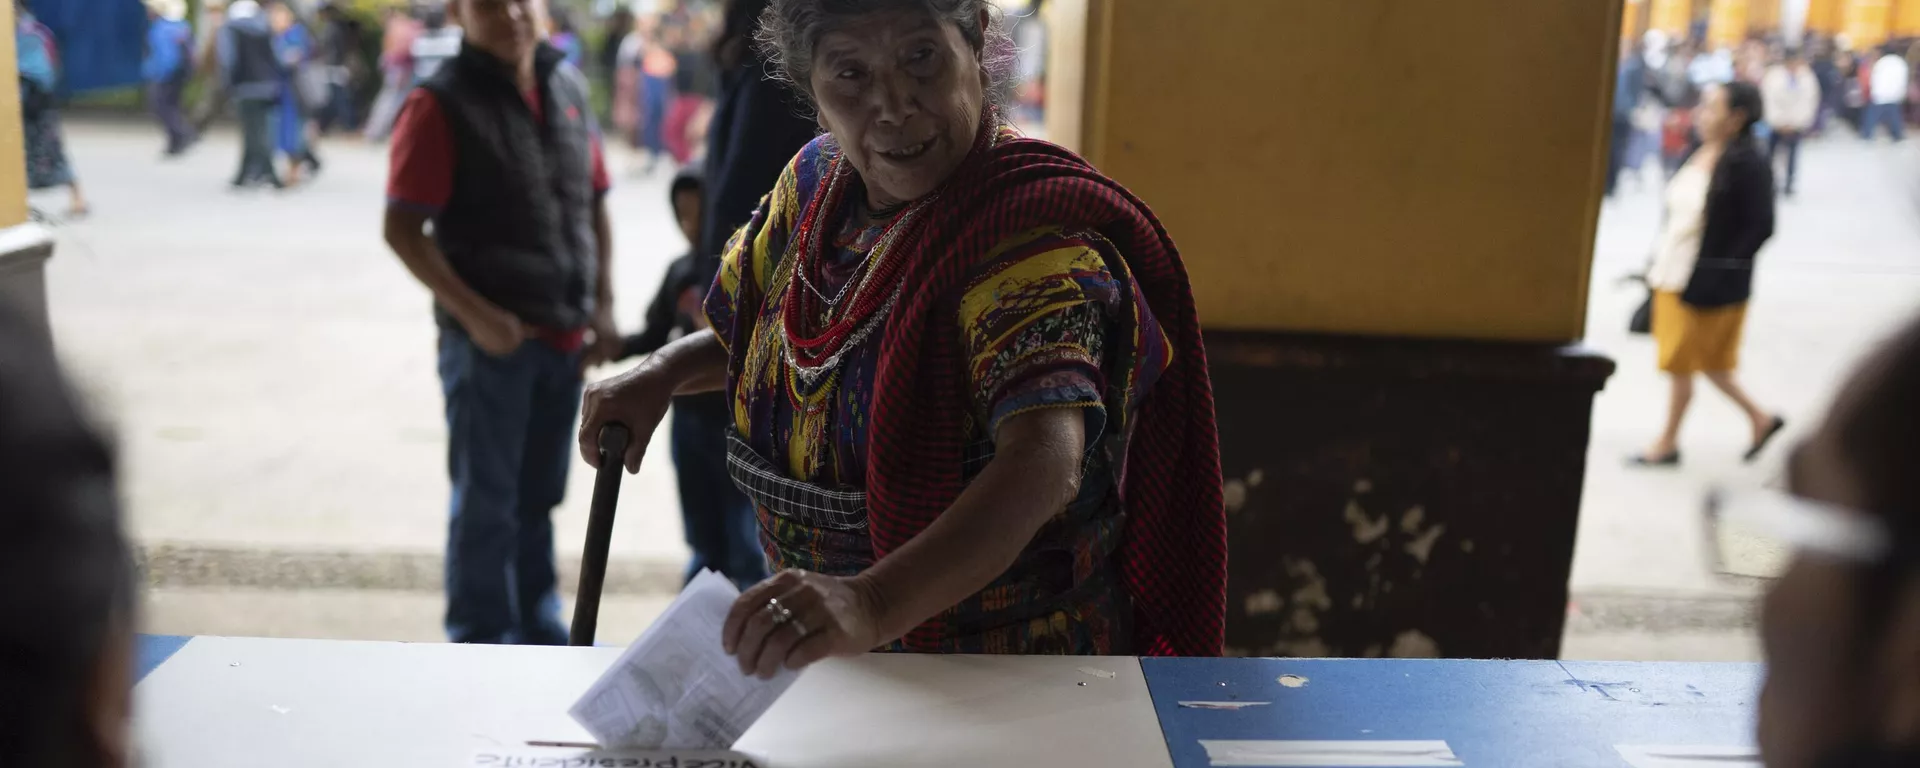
<point>499,151</point>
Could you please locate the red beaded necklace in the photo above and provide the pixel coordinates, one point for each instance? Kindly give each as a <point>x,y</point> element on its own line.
<point>833,326</point>
<point>836,326</point>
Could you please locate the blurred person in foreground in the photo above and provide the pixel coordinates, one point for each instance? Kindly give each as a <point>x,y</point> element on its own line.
<point>166,68</point>
<point>1886,96</point>
<point>396,72</point>
<point>498,150</point>
<point>252,73</point>
<point>38,60</point>
<point>941,341</point>
<point>719,521</point>
<point>67,613</point>
<point>1841,626</point>
<point>1792,96</point>
<point>1719,211</point>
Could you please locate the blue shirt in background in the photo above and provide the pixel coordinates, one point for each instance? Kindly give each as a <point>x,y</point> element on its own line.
<point>167,45</point>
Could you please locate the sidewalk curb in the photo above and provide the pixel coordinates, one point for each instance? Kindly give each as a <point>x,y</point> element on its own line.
<point>194,565</point>
<point>186,565</point>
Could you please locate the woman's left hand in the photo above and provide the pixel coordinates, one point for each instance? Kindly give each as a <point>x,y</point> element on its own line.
<point>797,618</point>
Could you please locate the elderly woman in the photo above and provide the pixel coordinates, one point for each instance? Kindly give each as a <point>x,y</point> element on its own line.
<point>969,395</point>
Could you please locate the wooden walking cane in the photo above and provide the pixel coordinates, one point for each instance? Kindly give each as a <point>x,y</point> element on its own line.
<point>593,561</point>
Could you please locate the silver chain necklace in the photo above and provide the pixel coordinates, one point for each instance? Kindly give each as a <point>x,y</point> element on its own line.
<point>809,374</point>
<point>882,248</point>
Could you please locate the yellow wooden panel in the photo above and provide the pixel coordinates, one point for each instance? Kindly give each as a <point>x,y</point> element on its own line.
<point>1865,22</point>
<point>1367,166</point>
<point>1068,70</point>
<point>1906,18</point>
<point>13,153</point>
<point>1726,23</point>
<point>1763,16</point>
<point>1633,21</point>
<point>1671,16</point>
<point>1823,16</point>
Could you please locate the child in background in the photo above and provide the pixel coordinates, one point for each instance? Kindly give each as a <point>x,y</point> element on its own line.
<point>722,528</point>
<point>66,607</point>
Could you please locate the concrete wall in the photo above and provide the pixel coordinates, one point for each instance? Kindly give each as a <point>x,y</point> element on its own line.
<point>1375,167</point>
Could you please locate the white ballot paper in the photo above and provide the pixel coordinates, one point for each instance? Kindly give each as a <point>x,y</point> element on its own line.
<point>676,687</point>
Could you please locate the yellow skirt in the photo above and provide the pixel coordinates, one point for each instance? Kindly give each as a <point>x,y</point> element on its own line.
<point>1692,339</point>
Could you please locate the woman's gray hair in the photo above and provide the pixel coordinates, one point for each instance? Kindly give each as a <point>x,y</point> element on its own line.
<point>790,29</point>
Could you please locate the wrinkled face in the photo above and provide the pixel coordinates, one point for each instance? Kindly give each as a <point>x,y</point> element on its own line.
<point>902,94</point>
<point>505,28</point>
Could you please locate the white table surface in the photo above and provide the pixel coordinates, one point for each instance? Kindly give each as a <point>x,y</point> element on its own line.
<point>248,702</point>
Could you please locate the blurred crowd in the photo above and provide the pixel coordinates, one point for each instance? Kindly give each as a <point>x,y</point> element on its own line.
<point>1820,86</point>
<point>655,76</point>
<point>293,72</point>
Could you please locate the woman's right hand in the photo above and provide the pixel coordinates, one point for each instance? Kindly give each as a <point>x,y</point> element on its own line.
<point>637,399</point>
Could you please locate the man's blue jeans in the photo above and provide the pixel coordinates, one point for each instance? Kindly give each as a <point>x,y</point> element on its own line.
<point>510,440</point>
<point>1884,114</point>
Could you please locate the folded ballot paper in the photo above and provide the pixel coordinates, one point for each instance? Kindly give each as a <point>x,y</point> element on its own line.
<point>675,687</point>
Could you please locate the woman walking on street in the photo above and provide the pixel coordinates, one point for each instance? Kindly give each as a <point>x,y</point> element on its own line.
<point>39,62</point>
<point>1719,213</point>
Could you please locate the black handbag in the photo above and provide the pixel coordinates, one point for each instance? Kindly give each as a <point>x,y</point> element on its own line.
<point>1642,322</point>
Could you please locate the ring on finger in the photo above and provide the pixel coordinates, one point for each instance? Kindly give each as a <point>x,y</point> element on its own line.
<point>780,613</point>
<point>798,627</point>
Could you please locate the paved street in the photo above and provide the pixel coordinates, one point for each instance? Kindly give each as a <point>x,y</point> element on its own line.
<point>269,369</point>
<point>1842,270</point>
<point>270,364</point>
